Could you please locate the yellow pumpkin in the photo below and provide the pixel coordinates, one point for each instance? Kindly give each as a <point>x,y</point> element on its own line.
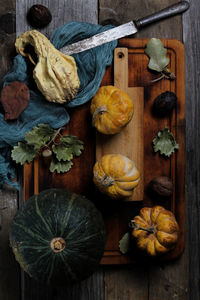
<point>112,109</point>
<point>116,175</point>
<point>155,229</point>
<point>55,73</point>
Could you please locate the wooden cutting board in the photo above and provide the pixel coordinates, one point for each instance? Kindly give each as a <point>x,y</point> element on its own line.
<point>130,141</point>
<point>137,143</point>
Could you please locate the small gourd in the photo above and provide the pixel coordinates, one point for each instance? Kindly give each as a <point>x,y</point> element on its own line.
<point>112,109</point>
<point>155,230</point>
<point>116,175</point>
<point>55,73</point>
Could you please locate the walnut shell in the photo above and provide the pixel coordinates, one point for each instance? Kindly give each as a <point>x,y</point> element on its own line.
<point>39,16</point>
<point>164,103</point>
<point>162,186</point>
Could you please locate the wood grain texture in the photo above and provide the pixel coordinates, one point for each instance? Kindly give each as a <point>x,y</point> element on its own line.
<point>7,6</point>
<point>128,10</point>
<point>62,11</point>
<point>89,289</point>
<point>85,289</point>
<point>130,283</point>
<point>7,36</point>
<point>158,275</point>
<point>134,131</point>
<point>28,189</point>
<point>130,141</point>
<point>9,269</point>
<point>166,282</point>
<point>191,37</point>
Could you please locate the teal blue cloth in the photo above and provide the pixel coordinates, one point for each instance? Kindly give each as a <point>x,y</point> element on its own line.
<point>91,67</point>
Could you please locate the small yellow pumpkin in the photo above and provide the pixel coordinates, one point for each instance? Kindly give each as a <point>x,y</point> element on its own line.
<point>116,175</point>
<point>155,229</point>
<point>112,109</point>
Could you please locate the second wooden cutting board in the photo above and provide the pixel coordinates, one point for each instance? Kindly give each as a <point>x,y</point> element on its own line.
<point>130,141</point>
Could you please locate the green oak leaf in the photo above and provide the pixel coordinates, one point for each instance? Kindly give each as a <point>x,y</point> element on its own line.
<point>39,135</point>
<point>69,139</point>
<point>23,153</point>
<point>77,149</point>
<point>44,137</point>
<point>165,142</point>
<point>124,243</point>
<point>60,166</point>
<point>157,54</point>
<point>62,152</point>
<point>73,143</point>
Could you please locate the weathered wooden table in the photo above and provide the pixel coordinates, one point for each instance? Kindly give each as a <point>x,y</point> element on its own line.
<point>179,279</point>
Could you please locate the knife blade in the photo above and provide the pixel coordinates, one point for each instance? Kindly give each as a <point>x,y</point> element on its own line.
<point>123,30</point>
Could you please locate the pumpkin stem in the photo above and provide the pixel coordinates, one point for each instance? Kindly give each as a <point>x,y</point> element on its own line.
<point>134,225</point>
<point>100,110</point>
<point>57,244</point>
<point>105,180</point>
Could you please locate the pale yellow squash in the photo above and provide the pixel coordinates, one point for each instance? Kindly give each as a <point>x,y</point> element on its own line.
<point>112,109</point>
<point>55,73</point>
<point>116,175</point>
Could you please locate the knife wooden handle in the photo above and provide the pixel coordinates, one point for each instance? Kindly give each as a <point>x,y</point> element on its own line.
<point>162,14</point>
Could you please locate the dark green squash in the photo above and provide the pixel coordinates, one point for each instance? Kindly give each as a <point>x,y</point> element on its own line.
<point>58,237</point>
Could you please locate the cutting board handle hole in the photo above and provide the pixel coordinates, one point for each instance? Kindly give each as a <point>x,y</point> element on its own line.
<point>120,55</point>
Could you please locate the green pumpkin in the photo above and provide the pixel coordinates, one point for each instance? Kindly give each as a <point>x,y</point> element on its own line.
<point>58,237</point>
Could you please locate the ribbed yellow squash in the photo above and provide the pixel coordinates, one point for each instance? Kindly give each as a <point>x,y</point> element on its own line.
<point>112,109</point>
<point>115,175</point>
<point>155,229</point>
<point>55,73</point>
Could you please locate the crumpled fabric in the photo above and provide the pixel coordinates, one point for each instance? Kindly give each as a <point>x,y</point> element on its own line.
<point>91,66</point>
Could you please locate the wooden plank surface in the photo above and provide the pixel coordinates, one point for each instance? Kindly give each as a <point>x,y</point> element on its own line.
<point>62,11</point>
<point>166,281</point>
<point>122,12</point>
<point>157,276</point>
<point>9,269</point>
<point>191,37</point>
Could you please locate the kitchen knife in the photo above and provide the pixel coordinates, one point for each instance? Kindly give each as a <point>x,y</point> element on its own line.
<point>124,30</point>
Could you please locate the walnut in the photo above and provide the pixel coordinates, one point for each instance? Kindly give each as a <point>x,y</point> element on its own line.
<point>39,16</point>
<point>164,104</point>
<point>162,186</point>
